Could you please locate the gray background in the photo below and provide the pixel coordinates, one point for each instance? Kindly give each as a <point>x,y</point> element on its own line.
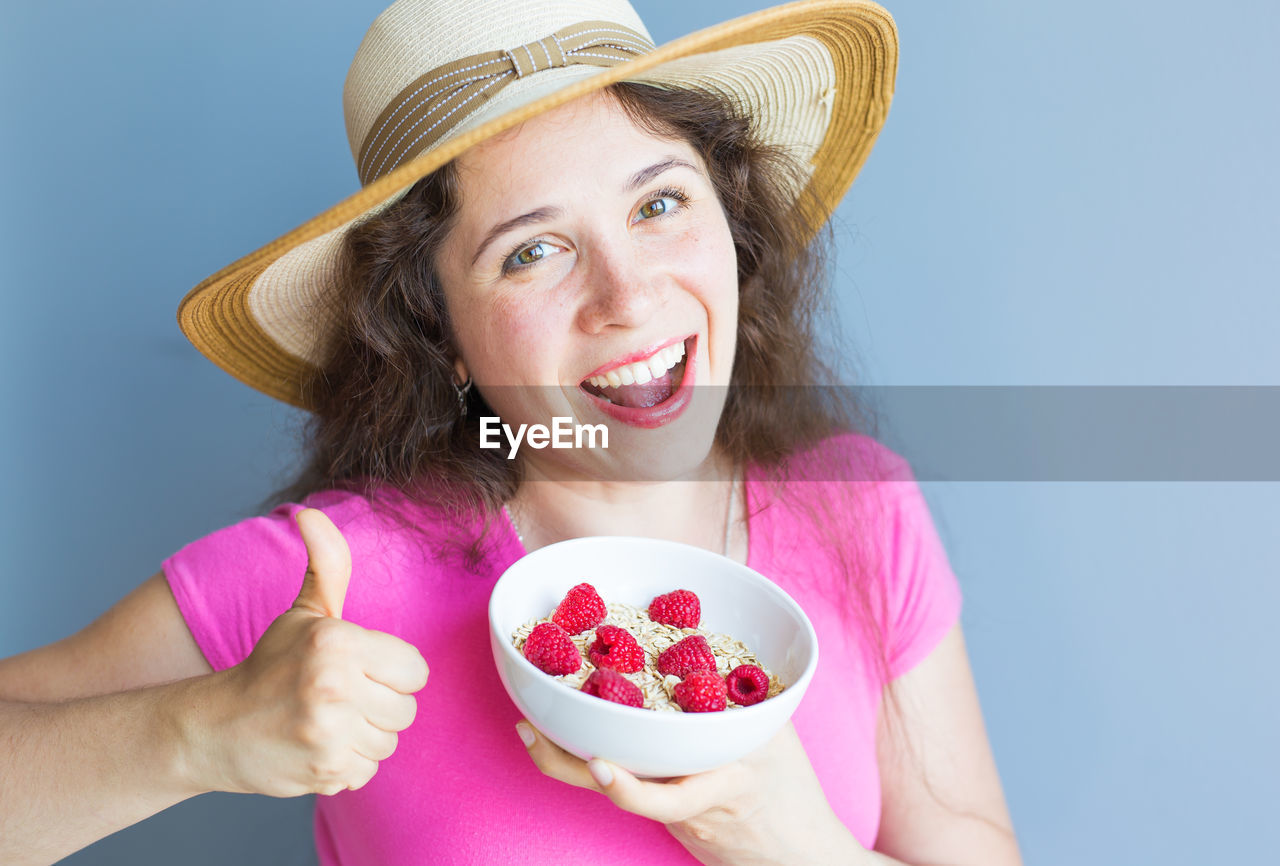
<point>1065,194</point>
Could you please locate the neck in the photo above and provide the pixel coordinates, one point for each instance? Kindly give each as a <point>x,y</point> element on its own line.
<point>691,510</point>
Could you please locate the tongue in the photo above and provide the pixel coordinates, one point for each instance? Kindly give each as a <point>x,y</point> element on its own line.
<point>643,396</point>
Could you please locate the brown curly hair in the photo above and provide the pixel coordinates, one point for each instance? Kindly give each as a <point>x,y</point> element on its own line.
<point>385,411</point>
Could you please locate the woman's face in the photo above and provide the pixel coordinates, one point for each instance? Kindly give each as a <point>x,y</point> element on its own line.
<point>590,275</point>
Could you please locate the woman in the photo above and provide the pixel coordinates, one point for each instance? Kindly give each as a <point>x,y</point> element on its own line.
<point>647,222</point>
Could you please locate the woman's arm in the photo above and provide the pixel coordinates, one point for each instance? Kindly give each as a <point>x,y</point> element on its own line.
<point>141,641</point>
<point>942,799</point>
<point>76,771</point>
<point>90,741</point>
<point>315,707</point>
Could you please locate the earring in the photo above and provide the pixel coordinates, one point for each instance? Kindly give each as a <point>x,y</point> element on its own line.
<point>462,391</point>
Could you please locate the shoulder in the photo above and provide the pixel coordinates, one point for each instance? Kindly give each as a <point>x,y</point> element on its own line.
<point>855,497</point>
<point>847,494</point>
<point>864,481</point>
<point>382,525</point>
<point>845,457</point>
<point>234,581</point>
<point>276,530</point>
<point>842,476</point>
<point>861,498</point>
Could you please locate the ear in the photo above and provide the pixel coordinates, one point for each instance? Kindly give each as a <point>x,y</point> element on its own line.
<point>460,370</point>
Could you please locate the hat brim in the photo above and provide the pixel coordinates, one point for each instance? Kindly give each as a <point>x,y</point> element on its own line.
<point>218,318</point>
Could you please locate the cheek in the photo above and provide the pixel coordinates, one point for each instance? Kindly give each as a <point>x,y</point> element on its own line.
<point>711,256</point>
<point>511,341</point>
<point>718,272</point>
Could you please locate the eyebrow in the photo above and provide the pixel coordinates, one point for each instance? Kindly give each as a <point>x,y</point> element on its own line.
<point>540,215</point>
<point>644,175</point>
<point>543,214</point>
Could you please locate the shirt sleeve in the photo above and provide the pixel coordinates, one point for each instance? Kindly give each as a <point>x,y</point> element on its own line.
<point>232,584</point>
<point>922,595</point>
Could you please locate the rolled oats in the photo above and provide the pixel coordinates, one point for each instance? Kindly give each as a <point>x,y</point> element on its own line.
<point>654,637</point>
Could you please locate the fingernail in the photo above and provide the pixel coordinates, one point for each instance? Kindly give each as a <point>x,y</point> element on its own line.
<point>600,772</point>
<point>526,734</point>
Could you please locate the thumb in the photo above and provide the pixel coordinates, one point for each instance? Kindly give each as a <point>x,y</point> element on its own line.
<point>668,801</point>
<point>324,586</point>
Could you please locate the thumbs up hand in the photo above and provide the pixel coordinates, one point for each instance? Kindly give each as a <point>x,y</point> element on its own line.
<point>324,586</point>
<point>319,702</point>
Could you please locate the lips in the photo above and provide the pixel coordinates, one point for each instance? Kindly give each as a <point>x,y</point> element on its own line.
<point>652,393</point>
<point>647,400</point>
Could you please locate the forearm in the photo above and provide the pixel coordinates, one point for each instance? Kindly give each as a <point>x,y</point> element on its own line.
<point>875,858</point>
<point>74,772</point>
<point>840,846</point>
<point>836,844</point>
<point>864,857</point>
<point>823,840</point>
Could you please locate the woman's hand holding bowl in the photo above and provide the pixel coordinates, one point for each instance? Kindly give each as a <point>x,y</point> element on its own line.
<point>767,808</point>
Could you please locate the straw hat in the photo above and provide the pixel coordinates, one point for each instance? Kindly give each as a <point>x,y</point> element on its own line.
<point>434,77</point>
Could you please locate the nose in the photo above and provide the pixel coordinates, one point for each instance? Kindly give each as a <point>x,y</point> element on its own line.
<point>620,289</point>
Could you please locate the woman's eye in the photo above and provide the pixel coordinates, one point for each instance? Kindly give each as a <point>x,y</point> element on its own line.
<point>659,206</point>
<point>527,255</point>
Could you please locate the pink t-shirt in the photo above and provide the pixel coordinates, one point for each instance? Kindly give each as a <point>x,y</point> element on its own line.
<point>460,787</point>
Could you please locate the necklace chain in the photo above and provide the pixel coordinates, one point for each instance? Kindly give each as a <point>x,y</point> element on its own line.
<point>728,516</point>
<point>506,510</point>
<point>728,512</point>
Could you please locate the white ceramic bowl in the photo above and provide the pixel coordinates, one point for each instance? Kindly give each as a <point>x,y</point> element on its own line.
<point>735,601</point>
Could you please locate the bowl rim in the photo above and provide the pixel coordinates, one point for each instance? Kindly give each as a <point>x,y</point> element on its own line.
<point>793,692</point>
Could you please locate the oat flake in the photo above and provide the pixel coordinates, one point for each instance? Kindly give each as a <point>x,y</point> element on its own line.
<point>654,637</point>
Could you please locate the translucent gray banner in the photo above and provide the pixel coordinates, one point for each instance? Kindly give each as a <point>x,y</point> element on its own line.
<point>1027,433</point>
<point>1078,433</point>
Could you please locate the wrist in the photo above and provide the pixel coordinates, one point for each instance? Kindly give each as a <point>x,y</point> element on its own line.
<point>839,845</point>
<point>188,727</point>
<point>823,838</point>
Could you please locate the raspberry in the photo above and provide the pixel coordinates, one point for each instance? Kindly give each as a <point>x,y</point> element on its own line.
<point>701,692</point>
<point>748,685</point>
<point>691,654</point>
<point>581,609</point>
<point>616,648</point>
<point>613,686</point>
<point>680,609</point>
<point>551,650</point>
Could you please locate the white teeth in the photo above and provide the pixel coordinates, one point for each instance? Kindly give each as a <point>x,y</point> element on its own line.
<point>640,372</point>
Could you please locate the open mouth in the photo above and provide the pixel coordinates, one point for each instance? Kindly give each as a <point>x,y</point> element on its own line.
<point>643,384</point>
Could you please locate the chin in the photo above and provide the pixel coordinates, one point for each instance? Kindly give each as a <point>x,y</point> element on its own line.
<point>674,451</point>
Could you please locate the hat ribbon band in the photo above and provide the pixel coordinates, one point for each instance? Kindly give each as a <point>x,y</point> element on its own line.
<point>433,104</point>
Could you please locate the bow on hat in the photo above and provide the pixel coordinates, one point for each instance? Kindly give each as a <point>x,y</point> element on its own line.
<point>432,104</point>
